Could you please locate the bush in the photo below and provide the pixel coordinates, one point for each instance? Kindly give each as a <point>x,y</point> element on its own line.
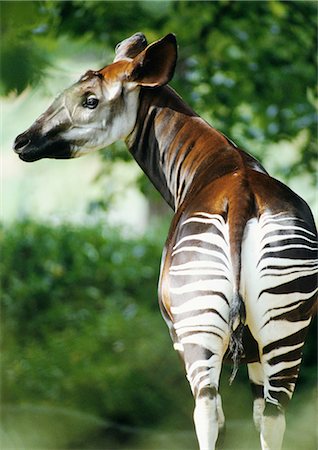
<point>81,323</point>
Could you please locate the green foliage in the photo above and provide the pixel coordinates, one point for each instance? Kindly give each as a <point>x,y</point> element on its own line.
<point>22,54</point>
<point>81,323</point>
<point>251,65</point>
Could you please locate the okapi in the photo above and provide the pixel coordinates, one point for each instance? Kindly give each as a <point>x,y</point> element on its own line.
<point>238,272</point>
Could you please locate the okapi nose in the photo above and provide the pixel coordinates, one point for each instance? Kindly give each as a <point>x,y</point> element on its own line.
<point>20,142</point>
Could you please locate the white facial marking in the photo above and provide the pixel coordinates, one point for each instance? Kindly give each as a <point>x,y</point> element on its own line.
<point>113,91</point>
<point>92,114</point>
<point>96,127</point>
<point>104,131</point>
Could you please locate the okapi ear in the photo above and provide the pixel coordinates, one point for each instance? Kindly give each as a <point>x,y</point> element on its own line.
<point>130,47</point>
<point>156,64</point>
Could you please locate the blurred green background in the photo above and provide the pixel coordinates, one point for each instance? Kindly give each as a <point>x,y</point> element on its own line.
<point>87,361</point>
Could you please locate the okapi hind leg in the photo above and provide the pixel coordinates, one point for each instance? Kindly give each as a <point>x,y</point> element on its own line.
<point>281,369</point>
<point>221,423</point>
<point>256,376</point>
<point>203,373</point>
<point>273,427</point>
<point>221,417</point>
<point>269,418</point>
<point>209,419</point>
<point>206,417</point>
<point>280,251</point>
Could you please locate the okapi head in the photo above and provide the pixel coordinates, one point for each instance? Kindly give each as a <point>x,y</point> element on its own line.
<point>102,106</point>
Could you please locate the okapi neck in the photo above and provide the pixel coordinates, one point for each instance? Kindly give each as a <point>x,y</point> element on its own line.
<point>178,150</point>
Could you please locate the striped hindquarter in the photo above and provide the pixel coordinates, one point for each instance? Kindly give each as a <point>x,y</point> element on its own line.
<point>278,287</point>
<point>200,288</point>
<point>196,291</point>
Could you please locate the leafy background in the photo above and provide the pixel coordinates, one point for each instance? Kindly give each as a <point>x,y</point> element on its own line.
<point>86,358</point>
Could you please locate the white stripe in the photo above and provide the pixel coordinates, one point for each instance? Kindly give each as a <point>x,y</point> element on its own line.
<point>270,227</point>
<point>288,270</point>
<point>203,251</point>
<point>272,370</point>
<point>204,383</point>
<point>197,265</point>
<point>209,216</point>
<point>208,238</point>
<point>201,285</point>
<point>268,214</point>
<point>194,329</point>
<point>286,247</point>
<point>205,340</point>
<point>288,277</point>
<point>198,303</point>
<point>209,318</point>
<point>276,217</point>
<point>215,220</point>
<point>219,224</point>
<point>282,237</point>
<point>288,308</point>
<point>197,380</point>
<point>178,347</point>
<point>287,298</point>
<point>219,268</point>
<point>272,261</point>
<point>286,328</point>
<point>281,389</point>
<point>282,350</point>
<point>199,273</point>
<point>198,364</point>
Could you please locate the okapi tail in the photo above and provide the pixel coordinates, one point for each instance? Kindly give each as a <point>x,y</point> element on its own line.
<point>237,315</point>
<point>241,206</point>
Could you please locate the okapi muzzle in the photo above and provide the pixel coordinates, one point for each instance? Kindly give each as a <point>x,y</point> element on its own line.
<point>44,139</point>
<point>49,136</point>
<point>32,146</point>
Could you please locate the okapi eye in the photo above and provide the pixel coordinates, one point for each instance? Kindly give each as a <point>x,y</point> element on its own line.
<point>90,102</point>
